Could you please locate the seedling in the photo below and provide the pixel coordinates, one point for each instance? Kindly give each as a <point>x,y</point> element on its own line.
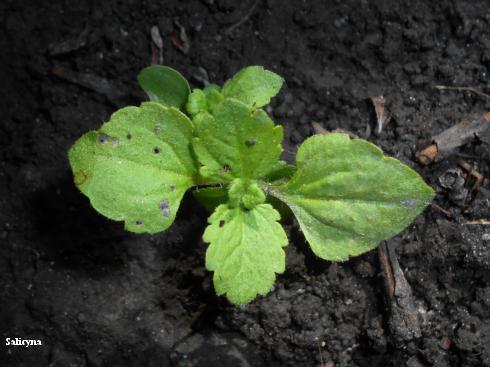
<point>345,194</point>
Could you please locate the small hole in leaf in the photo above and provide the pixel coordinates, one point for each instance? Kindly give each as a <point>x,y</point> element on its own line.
<point>156,150</point>
<point>409,203</point>
<point>250,142</point>
<point>226,168</point>
<point>138,222</point>
<point>164,208</point>
<point>172,187</point>
<point>103,138</point>
<point>221,223</point>
<point>129,136</point>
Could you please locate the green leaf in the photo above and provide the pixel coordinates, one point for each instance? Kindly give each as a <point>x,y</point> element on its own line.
<point>164,85</point>
<point>236,142</point>
<point>211,197</point>
<point>246,193</point>
<point>348,197</point>
<point>204,100</point>
<point>213,96</point>
<point>245,251</point>
<point>137,167</point>
<point>197,102</point>
<point>280,171</point>
<point>253,85</point>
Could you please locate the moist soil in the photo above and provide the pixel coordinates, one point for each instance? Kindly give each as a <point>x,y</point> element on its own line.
<point>96,295</point>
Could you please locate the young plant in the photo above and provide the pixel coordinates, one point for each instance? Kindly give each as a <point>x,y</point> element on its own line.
<point>345,194</point>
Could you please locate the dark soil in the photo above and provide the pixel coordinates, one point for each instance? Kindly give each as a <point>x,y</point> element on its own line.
<point>98,296</point>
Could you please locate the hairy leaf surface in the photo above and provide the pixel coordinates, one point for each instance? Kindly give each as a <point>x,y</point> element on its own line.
<point>164,85</point>
<point>347,196</point>
<point>237,141</point>
<point>204,100</point>
<point>253,85</point>
<point>245,193</point>
<point>245,251</point>
<point>137,167</point>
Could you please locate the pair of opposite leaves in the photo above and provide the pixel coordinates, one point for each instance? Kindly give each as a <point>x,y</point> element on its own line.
<point>346,195</point>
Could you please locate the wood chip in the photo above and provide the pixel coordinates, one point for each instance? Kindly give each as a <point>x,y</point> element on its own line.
<point>463,89</point>
<point>480,222</point>
<point>443,144</point>
<point>382,116</point>
<point>403,320</point>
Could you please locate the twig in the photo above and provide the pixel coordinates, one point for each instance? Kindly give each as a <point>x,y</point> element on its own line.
<point>464,89</point>
<point>482,222</point>
<point>180,39</point>
<point>243,20</point>
<point>473,173</point>
<point>321,354</point>
<point>382,116</point>
<point>441,145</point>
<point>403,321</point>
<point>446,212</point>
<point>157,54</point>
<point>319,129</point>
<point>388,273</point>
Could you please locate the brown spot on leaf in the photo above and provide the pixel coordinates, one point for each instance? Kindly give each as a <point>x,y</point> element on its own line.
<point>80,177</point>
